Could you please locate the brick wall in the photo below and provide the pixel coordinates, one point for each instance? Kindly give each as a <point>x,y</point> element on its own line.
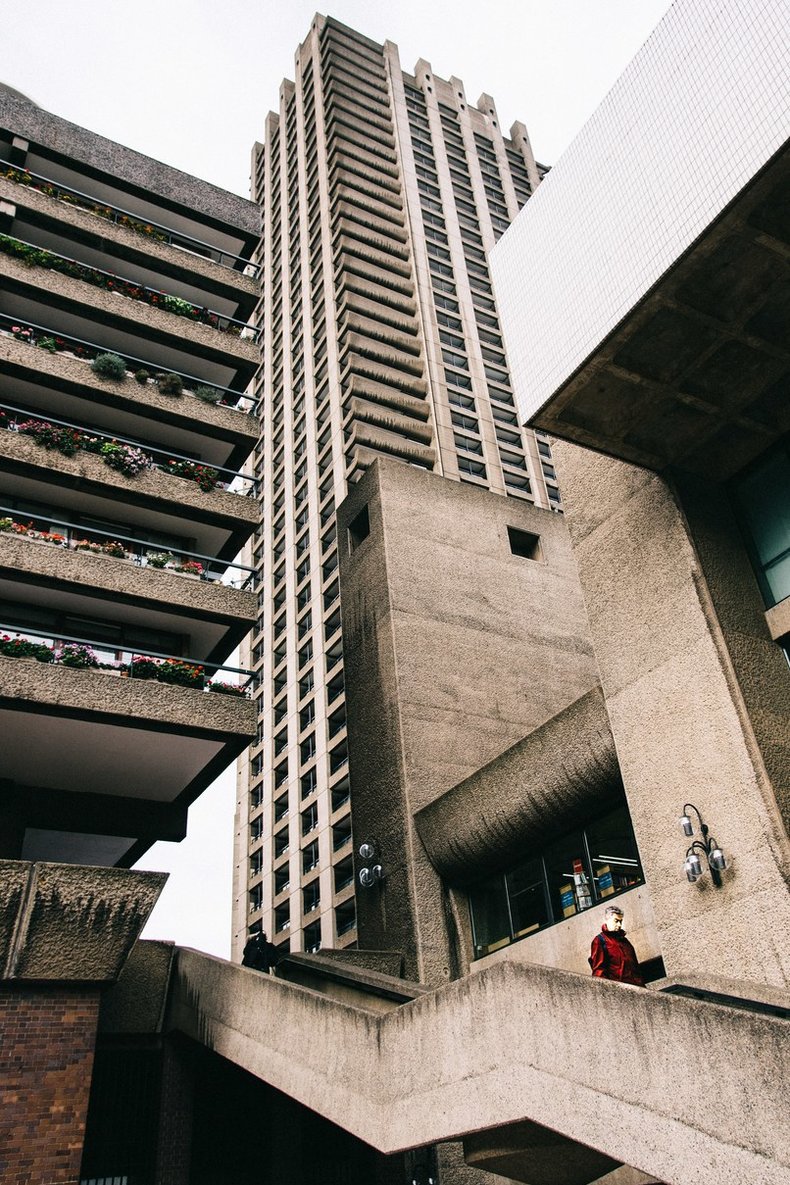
<point>47,1038</point>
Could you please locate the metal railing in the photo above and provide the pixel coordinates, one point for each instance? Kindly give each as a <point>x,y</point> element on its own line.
<point>245,484</point>
<point>134,290</point>
<point>138,551</point>
<point>132,663</point>
<point>34,334</point>
<point>128,218</point>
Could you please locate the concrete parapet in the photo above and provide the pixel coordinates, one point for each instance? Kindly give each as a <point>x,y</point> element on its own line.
<point>68,923</point>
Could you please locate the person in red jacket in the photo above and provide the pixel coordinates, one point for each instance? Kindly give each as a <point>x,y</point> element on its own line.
<point>612,956</point>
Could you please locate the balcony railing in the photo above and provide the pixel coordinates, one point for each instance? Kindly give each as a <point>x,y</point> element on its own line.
<point>54,342</point>
<point>87,654</point>
<point>125,218</point>
<point>143,554</point>
<point>34,256</point>
<point>122,454</point>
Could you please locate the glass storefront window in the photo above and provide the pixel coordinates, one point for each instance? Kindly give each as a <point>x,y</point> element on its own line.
<point>574,872</point>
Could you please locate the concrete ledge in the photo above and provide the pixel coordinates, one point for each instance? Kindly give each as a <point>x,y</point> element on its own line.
<point>70,923</point>
<point>46,687</point>
<point>136,1002</point>
<point>124,579</point>
<point>152,485</point>
<point>190,413</point>
<point>355,985</point>
<point>25,197</point>
<point>96,302</point>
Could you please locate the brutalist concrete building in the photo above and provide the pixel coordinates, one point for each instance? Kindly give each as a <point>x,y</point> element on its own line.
<point>544,714</point>
<point>124,359</point>
<point>382,193</point>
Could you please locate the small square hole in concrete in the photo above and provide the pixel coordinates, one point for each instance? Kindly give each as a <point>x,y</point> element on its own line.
<point>525,544</point>
<point>358,529</point>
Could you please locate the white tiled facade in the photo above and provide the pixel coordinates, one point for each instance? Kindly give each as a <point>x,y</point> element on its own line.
<point>700,109</point>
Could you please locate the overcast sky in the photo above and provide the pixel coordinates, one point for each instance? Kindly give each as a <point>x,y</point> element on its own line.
<point>189,82</point>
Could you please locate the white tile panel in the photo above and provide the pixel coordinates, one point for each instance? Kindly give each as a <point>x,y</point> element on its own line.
<point>699,110</point>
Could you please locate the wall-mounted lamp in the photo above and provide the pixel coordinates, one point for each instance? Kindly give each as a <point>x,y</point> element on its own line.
<point>707,845</point>
<point>371,873</point>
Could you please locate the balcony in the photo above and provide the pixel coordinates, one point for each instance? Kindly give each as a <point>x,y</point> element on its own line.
<point>91,475</point>
<point>127,317</point>
<point>105,748</point>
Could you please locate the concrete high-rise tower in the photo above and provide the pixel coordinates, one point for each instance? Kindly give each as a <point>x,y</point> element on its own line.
<point>382,194</point>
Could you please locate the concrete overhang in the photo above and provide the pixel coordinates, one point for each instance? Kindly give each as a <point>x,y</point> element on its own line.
<point>552,780</point>
<point>61,923</point>
<point>96,767</point>
<point>696,376</point>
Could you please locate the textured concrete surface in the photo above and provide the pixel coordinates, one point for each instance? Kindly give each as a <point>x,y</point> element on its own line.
<point>71,923</point>
<point>136,1002</point>
<point>45,687</point>
<point>111,234</point>
<point>534,1154</point>
<point>137,316</point>
<point>73,373</point>
<point>355,985</point>
<point>122,577</point>
<point>622,1070</point>
<point>24,118</point>
<point>674,673</point>
<point>455,649</point>
<point>152,485</point>
<point>554,779</point>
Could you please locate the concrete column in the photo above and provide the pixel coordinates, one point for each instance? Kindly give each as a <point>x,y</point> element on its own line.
<point>674,687</point>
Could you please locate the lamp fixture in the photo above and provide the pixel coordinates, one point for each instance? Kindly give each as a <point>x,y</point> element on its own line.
<point>370,874</point>
<point>692,866</point>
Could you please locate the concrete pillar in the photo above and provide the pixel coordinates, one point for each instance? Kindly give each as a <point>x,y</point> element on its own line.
<point>674,677</point>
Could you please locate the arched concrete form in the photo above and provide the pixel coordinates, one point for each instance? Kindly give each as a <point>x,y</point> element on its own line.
<point>553,780</point>
<point>657,1081</point>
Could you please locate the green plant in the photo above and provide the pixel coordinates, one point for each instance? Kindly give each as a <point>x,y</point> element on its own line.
<point>142,376</point>
<point>144,668</point>
<point>87,545</point>
<point>125,458</point>
<point>113,548</point>
<point>159,559</point>
<point>191,568</point>
<point>22,648</point>
<point>109,366</point>
<point>6,524</point>
<point>207,394</point>
<point>205,476</point>
<point>227,689</point>
<point>170,384</point>
<point>47,343</point>
<point>74,655</point>
<point>53,436</point>
<point>183,674</point>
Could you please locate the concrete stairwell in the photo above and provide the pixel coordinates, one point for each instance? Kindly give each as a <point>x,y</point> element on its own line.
<point>658,1080</point>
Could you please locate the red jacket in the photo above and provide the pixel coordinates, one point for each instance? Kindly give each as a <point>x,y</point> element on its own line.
<point>613,957</point>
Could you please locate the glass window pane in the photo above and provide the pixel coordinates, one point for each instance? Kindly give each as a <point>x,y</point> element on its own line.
<point>490,917</point>
<point>570,887</point>
<point>528,906</point>
<point>614,855</point>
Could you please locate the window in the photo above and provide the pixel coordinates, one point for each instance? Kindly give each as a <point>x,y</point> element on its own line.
<point>310,857</point>
<point>762,499</point>
<point>282,879</point>
<point>574,872</point>
<point>311,896</point>
<point>310,819</point>
<point>524,543</point>
<point>281,843</point>
<point>312,938</point>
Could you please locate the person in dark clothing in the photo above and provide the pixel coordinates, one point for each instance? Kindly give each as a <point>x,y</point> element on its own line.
<point>259,953</point>
<point>612,956</point>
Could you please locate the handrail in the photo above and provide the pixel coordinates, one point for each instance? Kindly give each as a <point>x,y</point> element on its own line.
<point>129,219</point>
<point>58,639</point>
<point>45,418</point>
<point>140,558</point>
<point>230,398</point>
<point>204,316</point>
